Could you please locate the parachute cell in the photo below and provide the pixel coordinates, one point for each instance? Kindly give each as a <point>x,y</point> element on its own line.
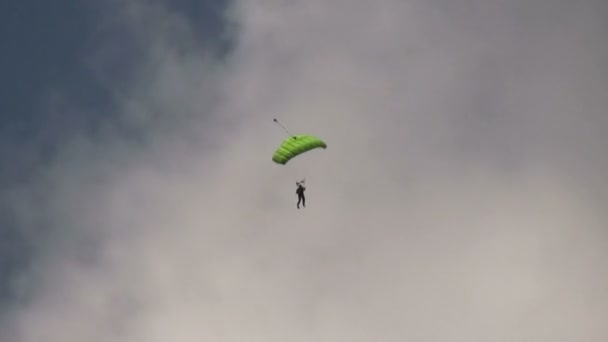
<point>296,145</point>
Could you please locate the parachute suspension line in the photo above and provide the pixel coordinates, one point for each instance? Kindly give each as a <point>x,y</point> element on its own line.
<point>283,127</point>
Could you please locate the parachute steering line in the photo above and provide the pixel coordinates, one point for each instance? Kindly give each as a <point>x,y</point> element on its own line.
<point>283,127</point>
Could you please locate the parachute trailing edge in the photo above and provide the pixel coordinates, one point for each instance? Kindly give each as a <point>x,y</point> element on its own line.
<point>296,145</point>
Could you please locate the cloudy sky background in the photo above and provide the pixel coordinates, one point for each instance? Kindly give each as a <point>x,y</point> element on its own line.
<point>462,195</point>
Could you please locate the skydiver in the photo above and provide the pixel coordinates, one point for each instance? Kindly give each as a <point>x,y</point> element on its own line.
<point>300,192</point>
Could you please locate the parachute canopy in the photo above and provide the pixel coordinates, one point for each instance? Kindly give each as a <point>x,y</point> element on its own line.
<point>296,145</point>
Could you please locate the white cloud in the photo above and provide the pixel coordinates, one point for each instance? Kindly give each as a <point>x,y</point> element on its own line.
<point>447,205</point>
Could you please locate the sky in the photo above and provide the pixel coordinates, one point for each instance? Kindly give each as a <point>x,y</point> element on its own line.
<point>461,196</point>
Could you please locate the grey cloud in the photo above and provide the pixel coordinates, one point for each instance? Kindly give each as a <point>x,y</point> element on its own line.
<point>458,197</point>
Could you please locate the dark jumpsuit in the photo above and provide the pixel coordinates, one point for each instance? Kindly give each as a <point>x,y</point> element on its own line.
<point>301,198</point>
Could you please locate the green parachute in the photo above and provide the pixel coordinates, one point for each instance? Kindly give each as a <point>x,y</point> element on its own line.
<point>295,145</point>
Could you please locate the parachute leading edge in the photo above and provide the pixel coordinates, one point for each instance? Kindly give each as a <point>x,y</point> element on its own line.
<point>296,145</point>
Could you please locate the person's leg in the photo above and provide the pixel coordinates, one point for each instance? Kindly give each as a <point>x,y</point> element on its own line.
<point>304,201</point>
